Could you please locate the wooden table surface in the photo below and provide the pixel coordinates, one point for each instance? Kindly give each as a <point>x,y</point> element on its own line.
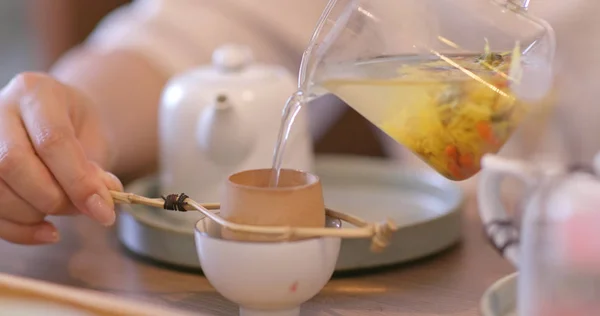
<point>90,256</point>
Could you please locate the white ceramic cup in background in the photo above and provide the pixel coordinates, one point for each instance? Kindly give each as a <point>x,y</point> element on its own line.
<point>557,246</point>
<point>499,225</point>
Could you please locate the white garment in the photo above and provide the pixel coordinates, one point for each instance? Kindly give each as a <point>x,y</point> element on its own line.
<point>179,34</point>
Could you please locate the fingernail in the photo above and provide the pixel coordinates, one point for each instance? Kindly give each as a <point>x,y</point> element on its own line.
<point>117,185</point>
<point>100,210</point>
<point>46,234</point>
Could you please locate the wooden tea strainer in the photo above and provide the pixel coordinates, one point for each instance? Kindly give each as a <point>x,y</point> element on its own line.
<point>379,233</point>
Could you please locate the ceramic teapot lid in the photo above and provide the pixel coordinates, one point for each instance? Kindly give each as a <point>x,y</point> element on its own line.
<point>235,63</point>
<point>232,57</point>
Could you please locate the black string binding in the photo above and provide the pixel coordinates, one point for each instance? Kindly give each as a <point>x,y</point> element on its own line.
<point>175,202</point>
<point>502,226</point>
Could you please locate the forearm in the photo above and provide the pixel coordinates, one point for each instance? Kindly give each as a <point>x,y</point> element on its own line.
<point>126,90</point>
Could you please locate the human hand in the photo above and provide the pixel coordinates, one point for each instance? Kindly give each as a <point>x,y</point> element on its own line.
<point>53,153</point>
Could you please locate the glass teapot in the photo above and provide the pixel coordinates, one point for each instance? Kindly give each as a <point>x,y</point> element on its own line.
<point>449,79</point>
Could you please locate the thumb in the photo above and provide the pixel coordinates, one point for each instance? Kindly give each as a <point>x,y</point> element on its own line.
<point>111,182</point>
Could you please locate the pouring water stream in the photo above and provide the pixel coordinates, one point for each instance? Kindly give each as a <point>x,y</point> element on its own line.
<point>298,99</point>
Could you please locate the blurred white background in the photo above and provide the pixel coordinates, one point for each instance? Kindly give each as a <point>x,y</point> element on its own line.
<point>17,44</point>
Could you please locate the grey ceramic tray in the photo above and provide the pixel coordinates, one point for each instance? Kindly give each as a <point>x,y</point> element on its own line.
<point>500,299</point>
<point>425,206</point>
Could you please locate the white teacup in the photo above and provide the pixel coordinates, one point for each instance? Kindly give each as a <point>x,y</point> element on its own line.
<point>266,278</point>
<point>499,225</point>
<point>557,246</point>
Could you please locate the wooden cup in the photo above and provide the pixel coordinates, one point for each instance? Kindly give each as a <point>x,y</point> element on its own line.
<point>297,201</point>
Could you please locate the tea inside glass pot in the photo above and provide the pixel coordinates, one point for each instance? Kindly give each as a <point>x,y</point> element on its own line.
<point>449,79</point>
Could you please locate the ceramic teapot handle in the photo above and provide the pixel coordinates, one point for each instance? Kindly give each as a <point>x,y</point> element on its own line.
<point>499,226</point>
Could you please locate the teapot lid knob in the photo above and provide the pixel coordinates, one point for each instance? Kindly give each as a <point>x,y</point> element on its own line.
<point>232,57</point>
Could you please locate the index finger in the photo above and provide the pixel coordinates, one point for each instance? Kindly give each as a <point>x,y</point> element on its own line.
<point>23,170</point>
<point>46,116</point>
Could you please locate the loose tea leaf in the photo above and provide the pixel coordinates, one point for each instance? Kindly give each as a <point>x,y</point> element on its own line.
<point>464,119</point>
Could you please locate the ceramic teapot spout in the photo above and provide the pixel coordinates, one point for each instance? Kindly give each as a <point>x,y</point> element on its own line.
<point>222,135</point>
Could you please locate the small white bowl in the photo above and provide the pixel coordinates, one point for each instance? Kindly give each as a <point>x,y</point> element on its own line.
<point>500,299</point>
<point>271,279</point>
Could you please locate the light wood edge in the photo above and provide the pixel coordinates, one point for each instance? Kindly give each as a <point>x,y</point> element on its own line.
<point>100,304</point>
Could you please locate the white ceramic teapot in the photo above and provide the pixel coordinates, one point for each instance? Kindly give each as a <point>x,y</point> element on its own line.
<point>222,118</point>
